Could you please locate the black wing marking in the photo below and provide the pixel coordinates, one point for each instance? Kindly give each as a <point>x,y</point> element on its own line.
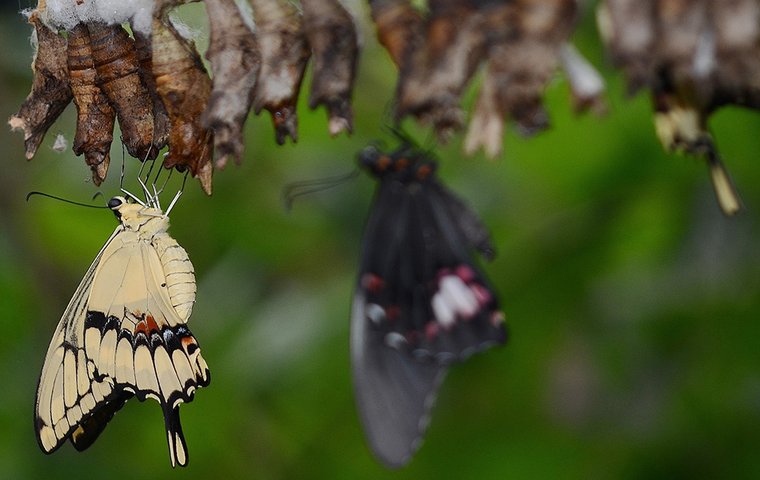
<point>90,427</point>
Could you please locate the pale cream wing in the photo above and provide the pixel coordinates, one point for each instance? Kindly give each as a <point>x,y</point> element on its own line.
<point>67,388</point>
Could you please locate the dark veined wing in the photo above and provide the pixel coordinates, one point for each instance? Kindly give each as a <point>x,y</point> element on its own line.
<point>421,304</point>
<point>119,337</point>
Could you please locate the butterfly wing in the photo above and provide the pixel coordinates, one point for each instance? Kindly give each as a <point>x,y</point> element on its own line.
<point>130,338</point>
<point>64,357</point>
<point>421,304</point>
<point>394,393</point>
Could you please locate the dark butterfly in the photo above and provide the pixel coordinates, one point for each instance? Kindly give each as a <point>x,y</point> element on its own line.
<point>421,302</point>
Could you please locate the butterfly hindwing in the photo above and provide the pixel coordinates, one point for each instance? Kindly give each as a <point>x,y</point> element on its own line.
<point>394,394</point>
<point>421,302</point>
<point>90,428</point>
<point>124,334</point>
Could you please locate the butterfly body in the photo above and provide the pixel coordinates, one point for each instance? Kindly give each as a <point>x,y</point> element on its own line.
<point>123,334</point>
<point>421,301</point>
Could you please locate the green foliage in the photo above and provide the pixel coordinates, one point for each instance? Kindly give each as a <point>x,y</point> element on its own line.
<point>633,304</point>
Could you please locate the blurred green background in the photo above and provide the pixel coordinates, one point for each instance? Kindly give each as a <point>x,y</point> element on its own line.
<point>634,305</point>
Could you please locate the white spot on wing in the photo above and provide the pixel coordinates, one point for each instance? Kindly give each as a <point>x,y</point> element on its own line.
<point>444,315</point>
<point>458,295</point>
<point>375,313</point>
<point>395,340</point>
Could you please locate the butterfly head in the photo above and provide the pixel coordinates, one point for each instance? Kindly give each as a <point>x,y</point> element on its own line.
<point>138,217</point>
<point>405,164</point>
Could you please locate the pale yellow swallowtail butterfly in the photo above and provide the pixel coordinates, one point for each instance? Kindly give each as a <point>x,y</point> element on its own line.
<point>123,334</point>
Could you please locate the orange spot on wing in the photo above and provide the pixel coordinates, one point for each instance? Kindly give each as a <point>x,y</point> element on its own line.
<point>383,162</point>
<point>152,325</point>
<point>423,172</point>
<point>141,327</point>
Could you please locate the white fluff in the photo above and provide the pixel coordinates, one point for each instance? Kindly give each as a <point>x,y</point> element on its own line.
<point>142,20</point>
<point>66,14</point>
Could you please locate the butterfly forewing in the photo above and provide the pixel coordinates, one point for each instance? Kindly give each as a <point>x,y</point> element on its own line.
<point>123,334</point>
<point>421,301</point>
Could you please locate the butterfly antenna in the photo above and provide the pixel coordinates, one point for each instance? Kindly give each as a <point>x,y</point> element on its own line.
<point>294,190</point>
<point>65,200</point>
<point>176,197</point>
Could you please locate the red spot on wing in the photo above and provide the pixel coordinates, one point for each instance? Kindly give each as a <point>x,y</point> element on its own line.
<point>431,330</point>
<point>466,273</point>
<point>392,312</point>
<point>482,294</point>
<point>372,283</point>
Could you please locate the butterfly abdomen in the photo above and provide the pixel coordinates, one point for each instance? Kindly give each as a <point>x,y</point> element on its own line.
<point>180,276</point>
